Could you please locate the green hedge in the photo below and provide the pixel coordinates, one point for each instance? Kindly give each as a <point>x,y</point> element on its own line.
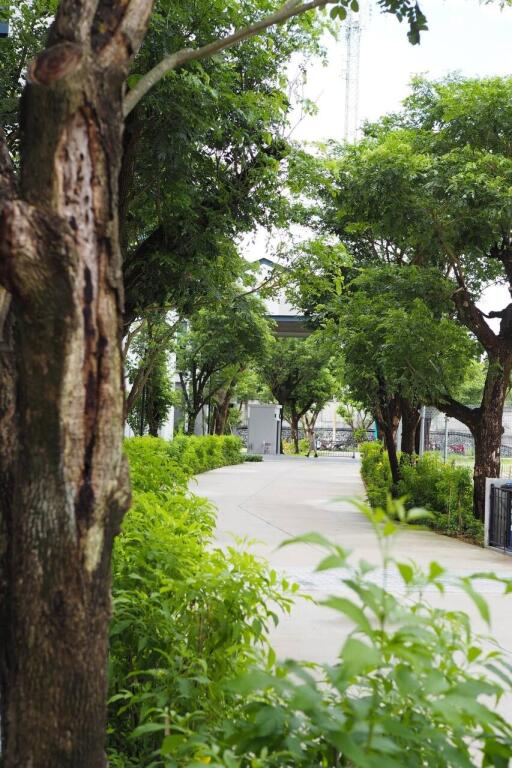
<point>444,489</point>
<point>193,681</point>
<point>200,454</point>
<point>177,460</point>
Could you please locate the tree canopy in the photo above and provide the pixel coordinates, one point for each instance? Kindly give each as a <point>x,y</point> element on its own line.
<point>216,346</point>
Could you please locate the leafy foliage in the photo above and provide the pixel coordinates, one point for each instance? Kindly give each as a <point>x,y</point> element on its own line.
<point>194,682</point>
<point>413,685</point>
<point>206,150</point>
<point>187,616</point>
<point>298,373</point>
<point>217,346</point>
<point>160,465</point>
<point>444,489</point>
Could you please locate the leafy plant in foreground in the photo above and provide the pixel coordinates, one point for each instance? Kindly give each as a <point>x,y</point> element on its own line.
<point>187,616</point>
<point>413,685</point>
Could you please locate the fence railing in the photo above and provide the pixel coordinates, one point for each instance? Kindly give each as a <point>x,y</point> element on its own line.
<point>500,517</point>
<point>328,441</point>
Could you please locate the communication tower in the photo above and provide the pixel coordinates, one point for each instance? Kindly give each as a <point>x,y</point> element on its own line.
<point>355,24</point>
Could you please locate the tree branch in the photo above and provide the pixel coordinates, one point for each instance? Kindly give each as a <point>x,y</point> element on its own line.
<point>173,61</point>
<point>455,409</point>
<point>474,319</point>
<point>146,369</point>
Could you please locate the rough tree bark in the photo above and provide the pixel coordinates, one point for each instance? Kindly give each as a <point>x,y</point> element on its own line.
<point>485,422</point>
<point>222,409</point>
<point>64,482</point>
<point>486,426</point>
<point>294,426</point>
<point>410,420</point>
<point>388,419</point>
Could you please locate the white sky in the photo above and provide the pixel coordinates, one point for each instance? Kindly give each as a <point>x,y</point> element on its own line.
<point>464,36</point>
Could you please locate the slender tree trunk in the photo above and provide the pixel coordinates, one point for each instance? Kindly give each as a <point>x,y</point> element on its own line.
<point>191,420</point>
<point>410,420</point>
<point>388,415</point>
<point>64,481</point>
<point>294,424</point>
<point>389,442</point>
<point>222,410</point>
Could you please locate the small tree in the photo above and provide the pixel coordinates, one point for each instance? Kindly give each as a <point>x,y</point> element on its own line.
<point>297,373</point>
<point>400,347</point>
<point>215,348</point>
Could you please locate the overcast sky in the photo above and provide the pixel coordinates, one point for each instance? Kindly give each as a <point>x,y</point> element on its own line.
<point>464,36</point>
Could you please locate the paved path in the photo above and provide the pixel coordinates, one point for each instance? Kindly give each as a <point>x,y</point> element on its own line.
<point>284,497</point>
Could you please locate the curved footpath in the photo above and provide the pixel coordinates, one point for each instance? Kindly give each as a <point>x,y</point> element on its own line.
<point>284,497</point>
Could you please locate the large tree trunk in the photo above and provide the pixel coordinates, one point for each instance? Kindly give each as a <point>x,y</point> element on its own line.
<point>410,420</point>
<point>488,429</point>
<point>64,480</point>
<point>485,423</point>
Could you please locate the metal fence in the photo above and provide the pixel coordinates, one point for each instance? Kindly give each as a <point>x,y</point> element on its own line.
<point>329,442</point>
<point>453,439</point>
<point>500,517</point>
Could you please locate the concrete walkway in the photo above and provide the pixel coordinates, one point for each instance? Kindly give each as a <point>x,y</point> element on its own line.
<point>279,498</point>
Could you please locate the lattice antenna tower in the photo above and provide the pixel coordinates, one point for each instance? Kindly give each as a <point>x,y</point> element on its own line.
<point>354,26</point>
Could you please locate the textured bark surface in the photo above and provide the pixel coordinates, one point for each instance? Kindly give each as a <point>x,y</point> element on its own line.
<point>488,429</point>
<point>410,420</point>
<point>63,478</point>
<point>222,409</point>
<point>485,421</point>
<point>388,418</point>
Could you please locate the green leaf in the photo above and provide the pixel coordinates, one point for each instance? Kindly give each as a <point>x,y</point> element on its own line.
<point>477,599</point>
<point>351,611</point>
<point>332,561</point>
<point>146,728</point>
<point>308,538</point>
<point>359,657</point>
<point>406,572</point>
<point>435,570</point>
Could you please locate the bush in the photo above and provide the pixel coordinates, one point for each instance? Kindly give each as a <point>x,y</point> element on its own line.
<point>200,454</point>
<point>412,686</point>
<point>187,617</point>
<point>151,466</point>
<point>157,462</point>
<point>289,447</point>
<point>375,472</point>
<point>253,457</point>
<point>444,489</point>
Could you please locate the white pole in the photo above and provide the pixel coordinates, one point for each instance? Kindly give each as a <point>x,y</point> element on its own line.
<point>422,430</point>
<point>399,435</point>
<point>445,438</point>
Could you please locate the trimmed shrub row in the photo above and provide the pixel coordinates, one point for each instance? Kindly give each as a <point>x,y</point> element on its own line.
<point>180,458</point>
